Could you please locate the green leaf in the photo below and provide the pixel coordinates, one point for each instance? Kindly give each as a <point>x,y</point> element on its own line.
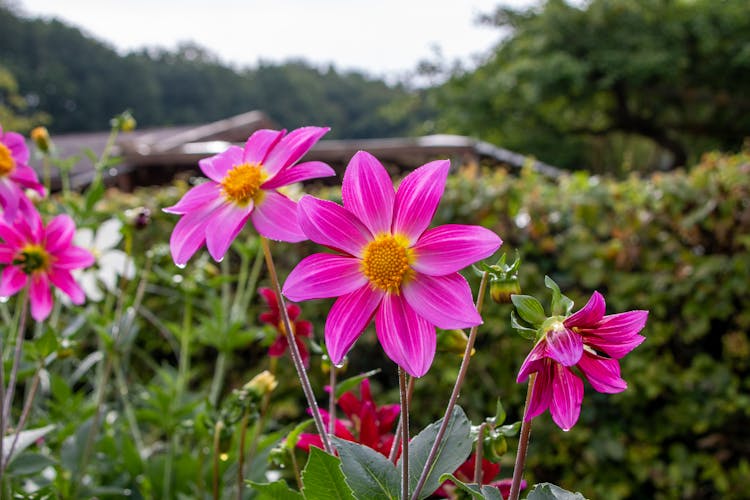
<point>454,450</point>
<point>509,430</point>
<point>25,439</point>
<point>274,491</point>
<point>351,383</point>
<point>548,491</point>
<point>29,463</point>
<point>293,437</point>
<point>500,414</point>
<point>367,472</point>
<point>561,305</point>
<point>323,479</point>
<point>486,492</point>
<point>523,331</point>
<point>529,309</point>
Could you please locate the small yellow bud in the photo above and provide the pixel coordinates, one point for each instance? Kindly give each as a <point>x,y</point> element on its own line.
<point>40,136</point>
<point>262,384</point>
<point>453,341</point>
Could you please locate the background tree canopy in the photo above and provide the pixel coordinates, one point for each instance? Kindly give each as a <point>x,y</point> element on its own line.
<point>568,82</point>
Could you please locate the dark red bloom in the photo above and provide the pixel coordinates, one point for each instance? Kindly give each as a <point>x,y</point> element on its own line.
<point>272,317</point>
<point>365,423</point>
<point>465,473</point>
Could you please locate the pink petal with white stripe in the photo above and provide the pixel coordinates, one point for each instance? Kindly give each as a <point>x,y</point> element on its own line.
<point>11,281</point>
<point>329,224</point>
<point>602,373</point>
<point>197,198</point>
<point>217,166</point>
<point>259,144</point>
<point>449,248</point>
<point>292,147</point>
<point>348,318</point>
<point>417,199</point>
<point>367,192</point>
<point>60,232</point>
<point>541,393</point>
<point>64,281</point>
<point>275,217</point>
<point>564,346</point>
<point>321,275</point>
<point>589,315</point>
<point>534,361</point>
<point>26,177</point>
<point>299,173</point>
<point>74,258</point>
<point>444,301</point>
<point>189,235</point>
<point>407,338</point>
<point>40,297</point>
<point>567,396</point>
<point>228,221</point>
<point>17,145</point>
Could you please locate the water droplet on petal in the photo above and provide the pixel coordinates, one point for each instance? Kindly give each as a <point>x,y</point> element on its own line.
<point>339,365</point>
<point>181,266</point>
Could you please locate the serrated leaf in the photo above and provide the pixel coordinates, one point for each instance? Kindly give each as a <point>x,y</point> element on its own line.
<point>561,305</point>
<point>323,478</point>
<point>529,309</point>
<point>548,491</point>
<point>274,491</point>
<point>291,440</point>
<point>454,450</point>
<point>352,382</point>
<point>367,472</point>
<point>523,331</point>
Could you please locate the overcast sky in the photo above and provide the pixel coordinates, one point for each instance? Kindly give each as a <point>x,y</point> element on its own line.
<point>382,38</point>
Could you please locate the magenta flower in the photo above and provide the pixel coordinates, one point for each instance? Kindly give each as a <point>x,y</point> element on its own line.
<point>589,340</point>
<point>243,184</point>
<point>39,257</point>
<point>389,265</point>
<point>272,317</point>
<point>15,176</point>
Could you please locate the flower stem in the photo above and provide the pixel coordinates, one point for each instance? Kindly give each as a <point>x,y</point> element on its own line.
<point>241,453</point>
<point>404,433</point>
<point>217,436</point>
<point>8,401</point>
<point>218,379</point>
<point>332,402</point>
<point>523,444</point>
<point>294,350</point>
<point>24,415</point>
<point>397,435</point>
<point>479,453</point>
<point>454,395</point>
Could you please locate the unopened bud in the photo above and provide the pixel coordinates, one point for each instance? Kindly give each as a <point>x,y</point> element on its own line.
<point>139,217</point>
<point>453,341</point>
<point>494,446</point>
<point>501,290</point>
<point>262,384</point>
<point>124,122</point>
<point>40,136</point>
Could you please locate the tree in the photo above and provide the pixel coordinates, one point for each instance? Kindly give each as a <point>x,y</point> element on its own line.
<point>674,72</point>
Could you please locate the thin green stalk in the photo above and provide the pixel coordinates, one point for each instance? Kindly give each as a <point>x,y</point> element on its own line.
<point>217,435</point>
<point>241,452</point>
<point>479,453</point>
<point>523,444</point>
<point>454,395</point>
<point>261,422</point>
<point>122,389</point>
<point>17,348</point>
<point>295,467</point>
<point>294,350</point>
<point>24,416</point>
<point>252,282</point>
<point>404,434</point>
<point>217,381</point>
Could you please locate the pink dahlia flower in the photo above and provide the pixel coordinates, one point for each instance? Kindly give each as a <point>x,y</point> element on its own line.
<point>15,176</point>
<point>589,340</point>
<point>39,257</point>
<point>272,317</point>
<point>243,183</point>
<point>388,264</point>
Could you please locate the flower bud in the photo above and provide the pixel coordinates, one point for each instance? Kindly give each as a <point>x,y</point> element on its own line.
<point>494,446</point>
<point>261,384</point>
<point>502,289</point>
<point>453,341</point>
<point>124,122</point>
<point>139,217</point>
<point>40,136</point>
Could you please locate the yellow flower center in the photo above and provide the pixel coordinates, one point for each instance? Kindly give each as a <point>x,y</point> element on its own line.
<point>32,258</point>
<point>282,329</point>
<point>7,163</point>
<point>386,262</point>
<point>242,183</point>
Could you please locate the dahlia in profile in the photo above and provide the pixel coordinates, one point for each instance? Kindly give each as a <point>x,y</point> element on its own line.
<point>243,183</point>
<point>40,256</point>
<point>588,340</point>
<point>387,264</point>
<point>15,176</point>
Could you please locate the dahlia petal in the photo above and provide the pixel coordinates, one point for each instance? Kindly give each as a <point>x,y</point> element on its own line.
<point>589,315</point>
<point>278,347</point>
<point>304,354</point>
<point>40,297</point>
<point>349,404</point>
<point>368,426</point>
<point>612,347</point>
<point>292,311</point>
<point>108,235</point>
<point>270,297</point>
<point>322,275</point>
<point>619,327</point>
<point>228,221</point>
<point>348,318</point>
<point>196,199</point>
<point>64,281</point>
<point>444,301</point>
<point>367,192</point>
<point>564,346</point>
<point>533,362</point>
<point>329,224</point>
<point>567,396</point>
<point>11,281</point>
<point>299,173</point>
<point>217,166</point>
<point>303,329</point>
<point>259,144</point>
<point>26,177</point>
<point>17,145</point>
<point>417,199</point>
<point>11,236</point>
<point>189,234</point>
<point>387,415</point>
<point>9,199</point>
<point>339,429</point>
<point>74,258</point>
<point>407,338</point>
<point>292,147</point>
<point>6,255</point>
<point>305,441</point>
<point>449,248</point>
<point>60,232</point>
<point>602,373</point>
<point>541,393</point>
<point>275,217</point>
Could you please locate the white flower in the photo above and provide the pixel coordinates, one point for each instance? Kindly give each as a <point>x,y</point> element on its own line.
<point>111,263</point>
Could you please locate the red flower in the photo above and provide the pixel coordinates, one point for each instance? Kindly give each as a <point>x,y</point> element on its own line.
<point>466,474</point>
<point>272,317</point>
<point>365,423</point>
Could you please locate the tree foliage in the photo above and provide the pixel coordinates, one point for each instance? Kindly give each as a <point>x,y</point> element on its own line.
<point>567,78</point>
